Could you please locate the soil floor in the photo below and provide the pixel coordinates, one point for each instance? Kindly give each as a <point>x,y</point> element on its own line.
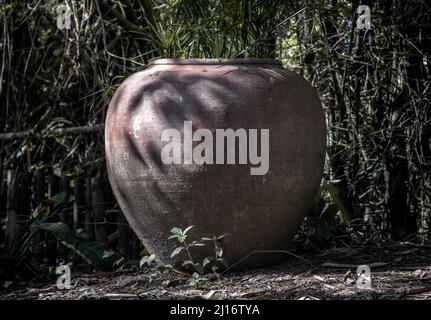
<point>401,272</point>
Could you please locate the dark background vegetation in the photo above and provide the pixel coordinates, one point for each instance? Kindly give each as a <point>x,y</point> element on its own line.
<point>374,85</point>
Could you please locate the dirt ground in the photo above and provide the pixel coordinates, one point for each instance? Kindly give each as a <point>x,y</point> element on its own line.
<point>401,272</point>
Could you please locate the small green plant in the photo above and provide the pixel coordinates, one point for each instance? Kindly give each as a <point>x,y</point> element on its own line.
<point>181,236</point>
<point>157,269</point>
<point>213,263</point>
<point>217,259</point>
<point>196,279</point>
<point>321,219</point>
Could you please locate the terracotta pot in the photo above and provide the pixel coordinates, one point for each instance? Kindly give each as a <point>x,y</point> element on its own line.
<point>258,212</point>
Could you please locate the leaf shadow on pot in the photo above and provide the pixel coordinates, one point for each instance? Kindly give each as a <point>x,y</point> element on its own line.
<point>163,196</point>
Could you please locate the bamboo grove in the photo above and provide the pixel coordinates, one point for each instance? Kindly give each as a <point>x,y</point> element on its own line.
<point>375,85</point>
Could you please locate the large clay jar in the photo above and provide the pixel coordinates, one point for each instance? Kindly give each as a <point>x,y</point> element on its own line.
<point>257,212</point>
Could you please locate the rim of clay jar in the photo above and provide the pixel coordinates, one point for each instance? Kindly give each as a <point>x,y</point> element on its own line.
<point>232,61</point>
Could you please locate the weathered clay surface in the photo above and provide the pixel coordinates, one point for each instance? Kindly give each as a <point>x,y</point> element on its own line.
<point>258,212</point>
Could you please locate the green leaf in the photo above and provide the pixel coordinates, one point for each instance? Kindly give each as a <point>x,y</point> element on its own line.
<point>42,213</point>
<point>177,231</point>
<point>206,261</point>
<point>178,234</point>
<point>176,251</point>
<point>197,244</point>
<point>196,278</point>
<point>165,267</point>
<point>222,236</point>
<point>21,151</point>
<point>334,193</point>
<point>57,171</point>
<point>187,229</point>
<point>146,260</point>
<point>187,262</point>
<point>219,251</point>
<point>95,253</point>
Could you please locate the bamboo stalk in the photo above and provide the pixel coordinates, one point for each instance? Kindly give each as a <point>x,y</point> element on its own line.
<point>65,187</point>
<point>39,195</point>
<point>78,210</point>
<point>12,210</point>
<point>88,212</point>
<point>98,210</point>
<point>123,230</point>
<point>65,216</point>
<point>51,242</point>
<point>79,203</point>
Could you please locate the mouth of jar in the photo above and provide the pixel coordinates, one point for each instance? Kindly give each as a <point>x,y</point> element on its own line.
<point>234,61</point>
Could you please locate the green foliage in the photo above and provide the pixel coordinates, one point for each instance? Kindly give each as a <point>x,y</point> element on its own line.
<point>45,211</point>
<point>321,219</point>
<point>159,270</point>
<point>212,263</point>
<point>94,253</point>
<point>197,269</point>
<point>180,235</point>
<point>196,279</point>
<point>156,269</point>
<point>146,261</point>
<point>219,29</point>
<point>337,203</point>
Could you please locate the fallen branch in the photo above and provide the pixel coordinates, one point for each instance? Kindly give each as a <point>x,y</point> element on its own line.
<point>121,295</point>
<point>345,265</point>
<point>415,291</point>
<point>55,132</point>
